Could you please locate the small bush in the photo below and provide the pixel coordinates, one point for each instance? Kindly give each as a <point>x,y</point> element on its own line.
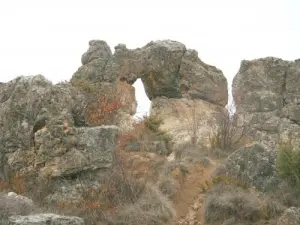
<point>226,201</point>
<point>103,111</point>
<point>146,136</point>
<point>120,199</point>
<point>229,135</point>
<point>84,85</point>
<point>16,183</point>
<point>151,209</point>
<point>168,187</point>
<point>288,163</point>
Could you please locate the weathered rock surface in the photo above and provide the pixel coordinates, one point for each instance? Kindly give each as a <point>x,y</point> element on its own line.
<point>185,119</point>
<point>45,219</point>
<point>253,165</point>
<point>12,204</point>
<point>66,151</point>
<point>27,102</point>
<point>290,216</point>
<point>202,81</point>
<point>44,133</point>
<point>94,62</point>
<point>166,68</point>
<point>266,91</point>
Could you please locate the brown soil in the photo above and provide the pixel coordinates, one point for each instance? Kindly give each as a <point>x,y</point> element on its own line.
<point>189,204</point>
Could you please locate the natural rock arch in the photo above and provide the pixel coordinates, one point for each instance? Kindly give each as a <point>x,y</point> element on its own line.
<point>166,68</point>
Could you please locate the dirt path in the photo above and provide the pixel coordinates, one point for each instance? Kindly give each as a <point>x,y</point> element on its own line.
<point>189,204</point>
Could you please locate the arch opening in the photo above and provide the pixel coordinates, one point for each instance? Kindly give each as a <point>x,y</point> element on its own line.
<point>143,102</point>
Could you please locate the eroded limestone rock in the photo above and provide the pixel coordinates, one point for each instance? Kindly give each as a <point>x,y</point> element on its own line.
<point>185,119</point>
<point>166,68</point>
<point>45,219</point>
<point>266,91</point>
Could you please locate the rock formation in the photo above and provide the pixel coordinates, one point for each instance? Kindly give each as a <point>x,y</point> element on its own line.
<point>38,133</point>
<point>172,75</point>
<point>267,92</point>
<point>45,219</point>
<point>267,97</point>
<point>254,165</point>
<point>166,68</point>
<point>45,132</point>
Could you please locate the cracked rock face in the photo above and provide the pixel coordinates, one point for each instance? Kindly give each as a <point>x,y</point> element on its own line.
<point>267,91</point>
<point>44,133</point>
<point>254,165</point>
<point>166,68</point>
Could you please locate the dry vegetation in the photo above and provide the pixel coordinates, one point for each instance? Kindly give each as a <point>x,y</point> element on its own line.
<point>146,136</point>
<point>226,202</point>
<point>229,135</point>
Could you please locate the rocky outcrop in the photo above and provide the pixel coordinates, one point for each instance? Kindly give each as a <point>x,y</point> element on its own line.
<point>166,68</point>
<point>27,102</point>
<point>290,216</point>
<point>253,165</point>
<point>266,92</point>
<point>44,133</point>
<point>45,219</point>
<point>199,80</point>
<point>81,149</point>
<point>174,78</point>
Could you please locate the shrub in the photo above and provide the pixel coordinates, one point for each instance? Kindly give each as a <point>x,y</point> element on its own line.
<point>84,85</point>
<point>288,163</point>
<point>145,136</point>
<point>103,111</point>
<point>229,135</point>
<point>227,201</point>
<point>120,199</point>
<point>152,208</point>
<point>16,183</point>
<point>103,100</point>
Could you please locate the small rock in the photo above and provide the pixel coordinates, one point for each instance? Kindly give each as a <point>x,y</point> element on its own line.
<point>45,219</point>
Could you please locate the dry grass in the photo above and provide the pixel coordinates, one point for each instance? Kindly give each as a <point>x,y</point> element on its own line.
<point>152,208</point>
<point>227,201</point>
<point>145,136</point>
<point>121,198</point>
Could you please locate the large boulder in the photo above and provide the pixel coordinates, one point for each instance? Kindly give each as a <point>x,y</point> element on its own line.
<point>267,94</point>
<point>166,68</point>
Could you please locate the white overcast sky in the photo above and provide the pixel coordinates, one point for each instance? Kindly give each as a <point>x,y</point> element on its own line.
<point>49,36</point>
